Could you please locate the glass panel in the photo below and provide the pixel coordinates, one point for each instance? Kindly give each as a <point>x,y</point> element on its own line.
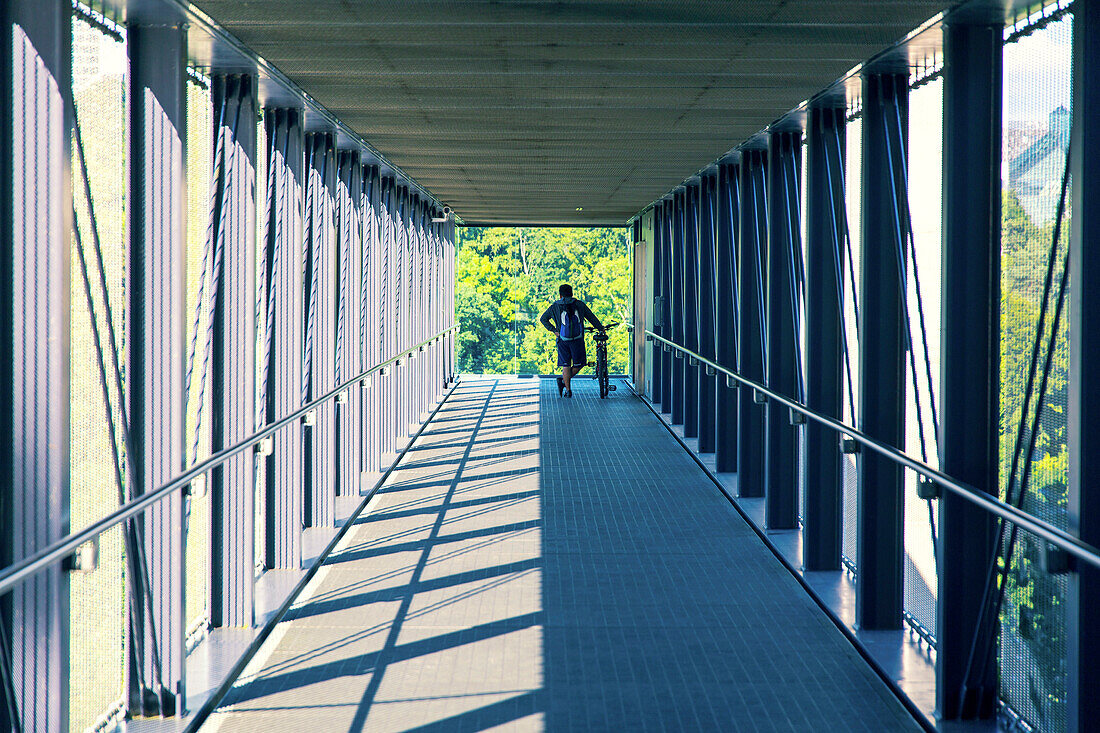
<point>925,166</point>
<point>97,629</point>
<point>1036,114</point>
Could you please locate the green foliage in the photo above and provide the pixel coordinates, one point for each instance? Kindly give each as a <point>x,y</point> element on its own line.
<point>503,272</point>
<point>1035,609</point>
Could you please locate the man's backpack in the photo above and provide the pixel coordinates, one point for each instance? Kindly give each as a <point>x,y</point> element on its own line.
<point>572,327</point>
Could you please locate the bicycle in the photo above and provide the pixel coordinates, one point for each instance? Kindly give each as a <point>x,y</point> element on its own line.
<point>602,376</point>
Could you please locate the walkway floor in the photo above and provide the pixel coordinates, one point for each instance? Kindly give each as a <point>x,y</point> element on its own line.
<point>544,563</point>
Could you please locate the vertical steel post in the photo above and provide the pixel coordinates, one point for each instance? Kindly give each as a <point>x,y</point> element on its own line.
<point>283,249</point>
<point>35,224</point>
<point>656,392</point>
<point>781,302</point>
<point>1083,599</point>
<point>676,291</point>
<point>726,408</point>
<point>349,274</point>
<point>751,348</point>
<point>369,327</point>
<point>970,349</point>
<point>155,348</point>
<point>233,366</point>
<point>691,308</point>
<point>822,516</point>
<point>385,312</point>
<point>320,314</point>
<point>668,254</point>
<point>881,357</point>
<point>708,190</point>
<point>400,317</point>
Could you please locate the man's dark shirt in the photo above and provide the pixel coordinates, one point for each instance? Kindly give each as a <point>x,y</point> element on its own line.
<point>552,317</point>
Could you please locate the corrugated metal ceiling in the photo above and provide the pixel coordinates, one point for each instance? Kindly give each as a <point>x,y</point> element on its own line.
<point>525,112</point>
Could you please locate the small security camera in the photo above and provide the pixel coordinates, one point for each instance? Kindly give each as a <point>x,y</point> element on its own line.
<point>446,211</point>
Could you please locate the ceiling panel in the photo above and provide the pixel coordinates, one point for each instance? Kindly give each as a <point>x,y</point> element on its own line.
<point>523,112</point>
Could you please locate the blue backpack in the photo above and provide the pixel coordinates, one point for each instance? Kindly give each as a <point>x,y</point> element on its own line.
<point>572,327</point>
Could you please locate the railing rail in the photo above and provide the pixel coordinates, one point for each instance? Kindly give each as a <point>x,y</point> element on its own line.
<point>55,552</point>
<point>1057,537</point>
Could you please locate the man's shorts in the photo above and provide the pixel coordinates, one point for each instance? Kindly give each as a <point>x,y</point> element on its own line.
<point>571,353</point>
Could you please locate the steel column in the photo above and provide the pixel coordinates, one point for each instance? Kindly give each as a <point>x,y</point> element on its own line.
<point>155,352</point>
<point>751,347</point>
<point>320,311</point>
<point>35,224</point>
<point>656,360</point>
<point>384,314</point>
<point>970,350</point>
<point>348,362</point>
<point>668,298</point>
<point>708,189</point>
<point>822,516</point>
<point>881,358</point>
<point>283,249</point>
<point>691,308</point>
<point>676,301</point>
<point>784,247</point>
<point>1083,599</point>
<point>233,366</point>
<point>401,317</point>
<point>726,408</point>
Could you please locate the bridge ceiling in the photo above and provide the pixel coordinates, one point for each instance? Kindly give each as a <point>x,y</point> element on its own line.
<point>577,113</point>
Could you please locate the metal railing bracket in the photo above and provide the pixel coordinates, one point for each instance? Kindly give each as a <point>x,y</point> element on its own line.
<point>84,560</point>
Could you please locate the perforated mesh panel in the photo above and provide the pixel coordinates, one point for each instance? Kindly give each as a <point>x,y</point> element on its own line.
<point>1036,132</point>
<point>521,112</point>
<point>97,625</point>
<point>200,155</point>
<point>925,165</point>
<point>849,467</point>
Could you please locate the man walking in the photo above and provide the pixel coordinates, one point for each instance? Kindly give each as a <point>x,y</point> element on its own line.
<point>565,318</point>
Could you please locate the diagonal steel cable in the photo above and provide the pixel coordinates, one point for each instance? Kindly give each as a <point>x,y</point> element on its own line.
<point>993,593</point>
<point>224,184</point>
<point>7,680</point>
<point>312,247</point>
<point>758,258</point>
<point>847,230</point>
<point>140,570</point>
<point>904,168</point>
<point>900,245</point>
<point>838,265</point>
<point>344,214</point>
<point>208,247</point>
<point>794,272</point>
<point>276,214</point>
<point>733,203</point>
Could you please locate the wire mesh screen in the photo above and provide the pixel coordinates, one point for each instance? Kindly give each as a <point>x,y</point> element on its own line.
<point>849,468</point>
<point>260,469</point>
<point>1036,114</point>
<point>925,177</point>
<point>200,156</point>
<point>97,626</point>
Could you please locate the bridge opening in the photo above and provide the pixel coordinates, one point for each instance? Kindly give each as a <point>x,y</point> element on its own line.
<point>507,277</point>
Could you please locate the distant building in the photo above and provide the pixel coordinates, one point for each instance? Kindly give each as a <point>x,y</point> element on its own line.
<point>1036,157</point>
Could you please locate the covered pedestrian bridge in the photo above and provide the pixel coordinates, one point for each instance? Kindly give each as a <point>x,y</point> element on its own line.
<point>850,482</point>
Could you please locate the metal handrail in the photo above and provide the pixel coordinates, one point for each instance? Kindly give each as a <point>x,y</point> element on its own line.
<point>1058,537</point>
<point>57,551</point>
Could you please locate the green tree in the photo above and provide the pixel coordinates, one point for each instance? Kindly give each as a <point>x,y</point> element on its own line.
<point>506,277</point>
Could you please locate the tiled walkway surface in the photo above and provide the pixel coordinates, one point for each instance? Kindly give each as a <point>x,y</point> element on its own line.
<point>549,564</point>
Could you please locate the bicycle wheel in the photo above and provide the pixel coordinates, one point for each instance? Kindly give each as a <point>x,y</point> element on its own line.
<point>601,373</point>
